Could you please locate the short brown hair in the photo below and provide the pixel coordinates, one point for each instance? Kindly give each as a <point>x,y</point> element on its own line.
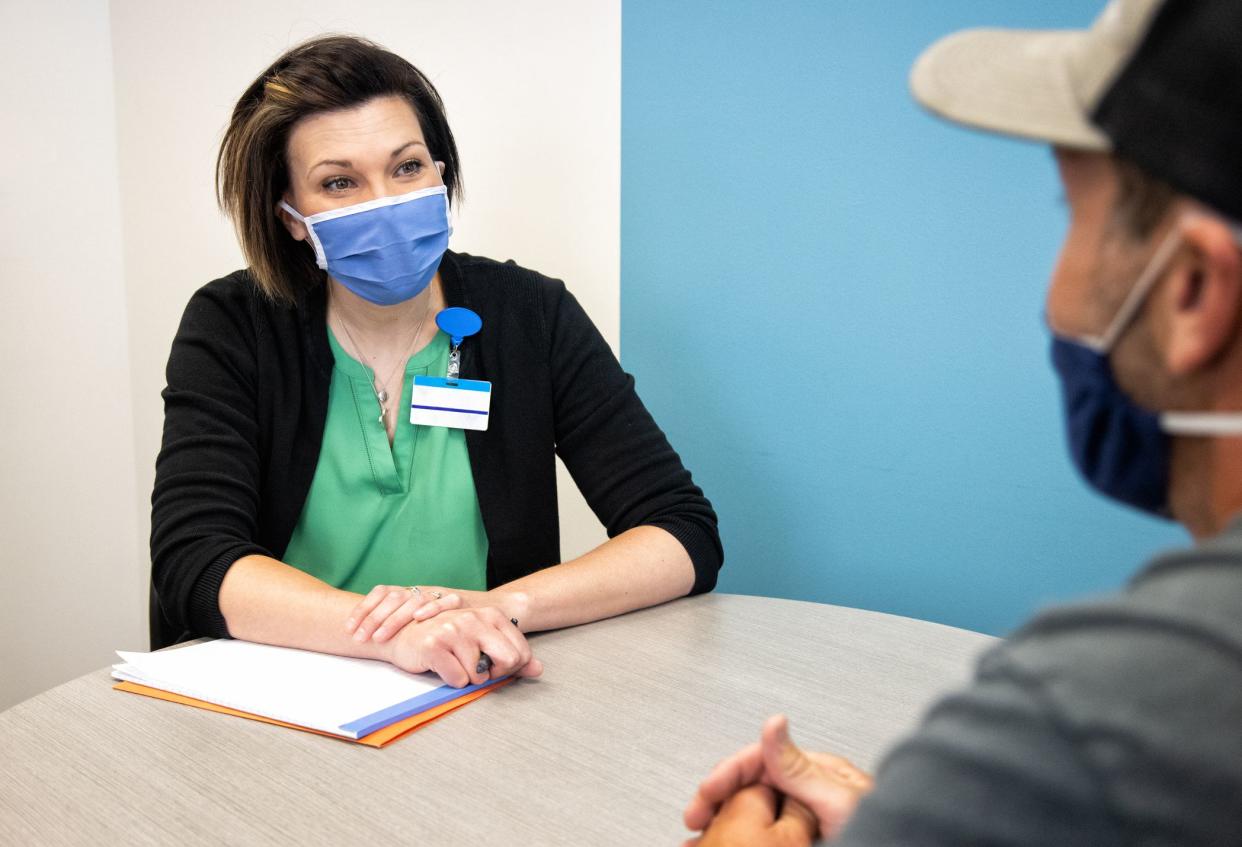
<point>320,75</point>
<point>1143,200</point>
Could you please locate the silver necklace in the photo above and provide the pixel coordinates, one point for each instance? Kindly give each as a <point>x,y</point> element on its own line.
<point>381,394</point>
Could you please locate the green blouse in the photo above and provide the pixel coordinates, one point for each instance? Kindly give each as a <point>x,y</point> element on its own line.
<point>399,514</point>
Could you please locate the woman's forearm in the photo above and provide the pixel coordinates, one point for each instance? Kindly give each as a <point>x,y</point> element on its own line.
<point>641,567</point>
<point>268,601</point>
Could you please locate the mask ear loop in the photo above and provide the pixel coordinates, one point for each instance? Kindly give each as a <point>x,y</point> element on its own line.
<point>1138,294</point>
<point>1205,423</point>
<point>320,259</point>
<point>1201,423</point>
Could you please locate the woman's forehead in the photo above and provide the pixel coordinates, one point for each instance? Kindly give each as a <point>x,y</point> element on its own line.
<point>372,129</point>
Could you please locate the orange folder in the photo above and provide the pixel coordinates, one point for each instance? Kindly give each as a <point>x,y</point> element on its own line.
<point>379,738</point>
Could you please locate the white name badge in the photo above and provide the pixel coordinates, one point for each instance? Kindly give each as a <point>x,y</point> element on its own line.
<point>458,403</point>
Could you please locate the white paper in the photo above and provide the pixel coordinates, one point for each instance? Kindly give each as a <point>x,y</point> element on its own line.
<point>314,690</point>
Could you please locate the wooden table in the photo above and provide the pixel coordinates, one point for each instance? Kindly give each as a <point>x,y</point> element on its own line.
<point>606,748</point>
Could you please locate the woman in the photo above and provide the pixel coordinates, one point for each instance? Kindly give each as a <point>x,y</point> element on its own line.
<point>292,480</point>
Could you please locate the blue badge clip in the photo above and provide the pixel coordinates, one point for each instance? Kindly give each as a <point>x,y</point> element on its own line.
<point>459,322</point>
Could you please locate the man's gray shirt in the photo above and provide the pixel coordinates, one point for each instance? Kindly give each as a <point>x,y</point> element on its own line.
<point>1111,722</point>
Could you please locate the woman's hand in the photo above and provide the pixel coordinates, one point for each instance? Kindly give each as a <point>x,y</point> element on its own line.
<point>451,644</point>
<point>828,785</point>
<point>387,608</point>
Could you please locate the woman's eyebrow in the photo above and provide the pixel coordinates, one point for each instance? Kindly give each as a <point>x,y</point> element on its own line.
<point>340,163</point>
<point>343,163</point>
<point>407,145</point>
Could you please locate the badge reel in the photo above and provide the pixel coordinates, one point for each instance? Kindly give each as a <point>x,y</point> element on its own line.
<point>449,400</point>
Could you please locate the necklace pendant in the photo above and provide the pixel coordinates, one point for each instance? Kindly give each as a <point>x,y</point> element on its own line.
<point>383,395</point>
<point>381,417</point>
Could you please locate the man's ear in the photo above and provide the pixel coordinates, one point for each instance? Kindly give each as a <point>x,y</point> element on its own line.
<point>1203,292</point>
<point>296,228</point>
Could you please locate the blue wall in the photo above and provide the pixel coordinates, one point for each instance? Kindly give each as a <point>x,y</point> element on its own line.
<point>832,304</point>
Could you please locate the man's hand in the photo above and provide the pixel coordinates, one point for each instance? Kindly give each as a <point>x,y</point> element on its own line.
<point>750,818</point>
<point>828,785</point>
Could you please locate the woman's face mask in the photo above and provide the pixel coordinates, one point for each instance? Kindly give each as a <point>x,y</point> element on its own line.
<point>386,250</point>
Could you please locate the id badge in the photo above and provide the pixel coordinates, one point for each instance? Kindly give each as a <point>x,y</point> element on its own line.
<point>457,404</point>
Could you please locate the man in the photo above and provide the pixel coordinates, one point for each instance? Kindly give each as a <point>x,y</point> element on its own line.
<point>1117,721</point>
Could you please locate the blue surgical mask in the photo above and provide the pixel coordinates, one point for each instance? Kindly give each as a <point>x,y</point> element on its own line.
<point>1122,449</point>
<point>385,250</point>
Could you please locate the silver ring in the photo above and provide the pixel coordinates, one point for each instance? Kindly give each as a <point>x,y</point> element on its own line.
<point>415,590</point>
<point>436,594</point>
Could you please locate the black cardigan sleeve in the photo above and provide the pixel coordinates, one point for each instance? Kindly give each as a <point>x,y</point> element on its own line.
<point>617,455</point>
<point>205,503</point>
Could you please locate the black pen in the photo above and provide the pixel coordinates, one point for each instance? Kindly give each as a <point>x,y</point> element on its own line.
<point>485,661</point>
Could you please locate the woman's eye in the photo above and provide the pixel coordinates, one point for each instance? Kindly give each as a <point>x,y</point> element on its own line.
<point>337,183</point>
<point>409,168</point>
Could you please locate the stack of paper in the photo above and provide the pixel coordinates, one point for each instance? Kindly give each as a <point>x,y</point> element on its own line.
<point>349,698</point>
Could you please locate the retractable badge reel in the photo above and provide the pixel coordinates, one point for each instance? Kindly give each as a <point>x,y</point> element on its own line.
<point>449,400</point>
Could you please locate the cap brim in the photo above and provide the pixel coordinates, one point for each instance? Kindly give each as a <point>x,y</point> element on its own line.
<point>1014,82</point>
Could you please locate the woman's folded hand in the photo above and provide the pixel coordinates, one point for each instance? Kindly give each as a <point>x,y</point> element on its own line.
<point>387,608</point>
<point>451,644</point>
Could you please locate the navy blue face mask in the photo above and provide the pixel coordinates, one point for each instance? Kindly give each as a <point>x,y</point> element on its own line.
<point>1120,448</point>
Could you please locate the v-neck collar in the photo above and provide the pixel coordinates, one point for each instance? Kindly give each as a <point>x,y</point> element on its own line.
<point>390,463</point>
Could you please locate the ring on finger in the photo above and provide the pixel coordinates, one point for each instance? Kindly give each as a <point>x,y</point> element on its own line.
<point>436,594</point>
<point>415,591</point>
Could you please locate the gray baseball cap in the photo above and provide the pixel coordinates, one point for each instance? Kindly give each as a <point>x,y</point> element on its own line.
<point>1157,83</point>
<point>1038,84</point>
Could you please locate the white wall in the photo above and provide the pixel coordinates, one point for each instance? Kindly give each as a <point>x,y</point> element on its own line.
<point>533,95</point>
<point>72,557</point>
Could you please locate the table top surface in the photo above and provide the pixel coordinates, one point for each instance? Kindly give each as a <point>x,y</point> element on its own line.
<point>605,748</point>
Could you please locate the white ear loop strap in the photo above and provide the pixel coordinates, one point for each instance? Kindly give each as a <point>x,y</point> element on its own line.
<point>1205,423</point>
<point>320,259</point>
<point>1201,423</point>
<point>1138,294</point>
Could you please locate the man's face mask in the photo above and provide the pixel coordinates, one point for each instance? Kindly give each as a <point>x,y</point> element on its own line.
<point>1122,449</point>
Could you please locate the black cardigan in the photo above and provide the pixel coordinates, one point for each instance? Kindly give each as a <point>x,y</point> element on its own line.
<point>244,415</point>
